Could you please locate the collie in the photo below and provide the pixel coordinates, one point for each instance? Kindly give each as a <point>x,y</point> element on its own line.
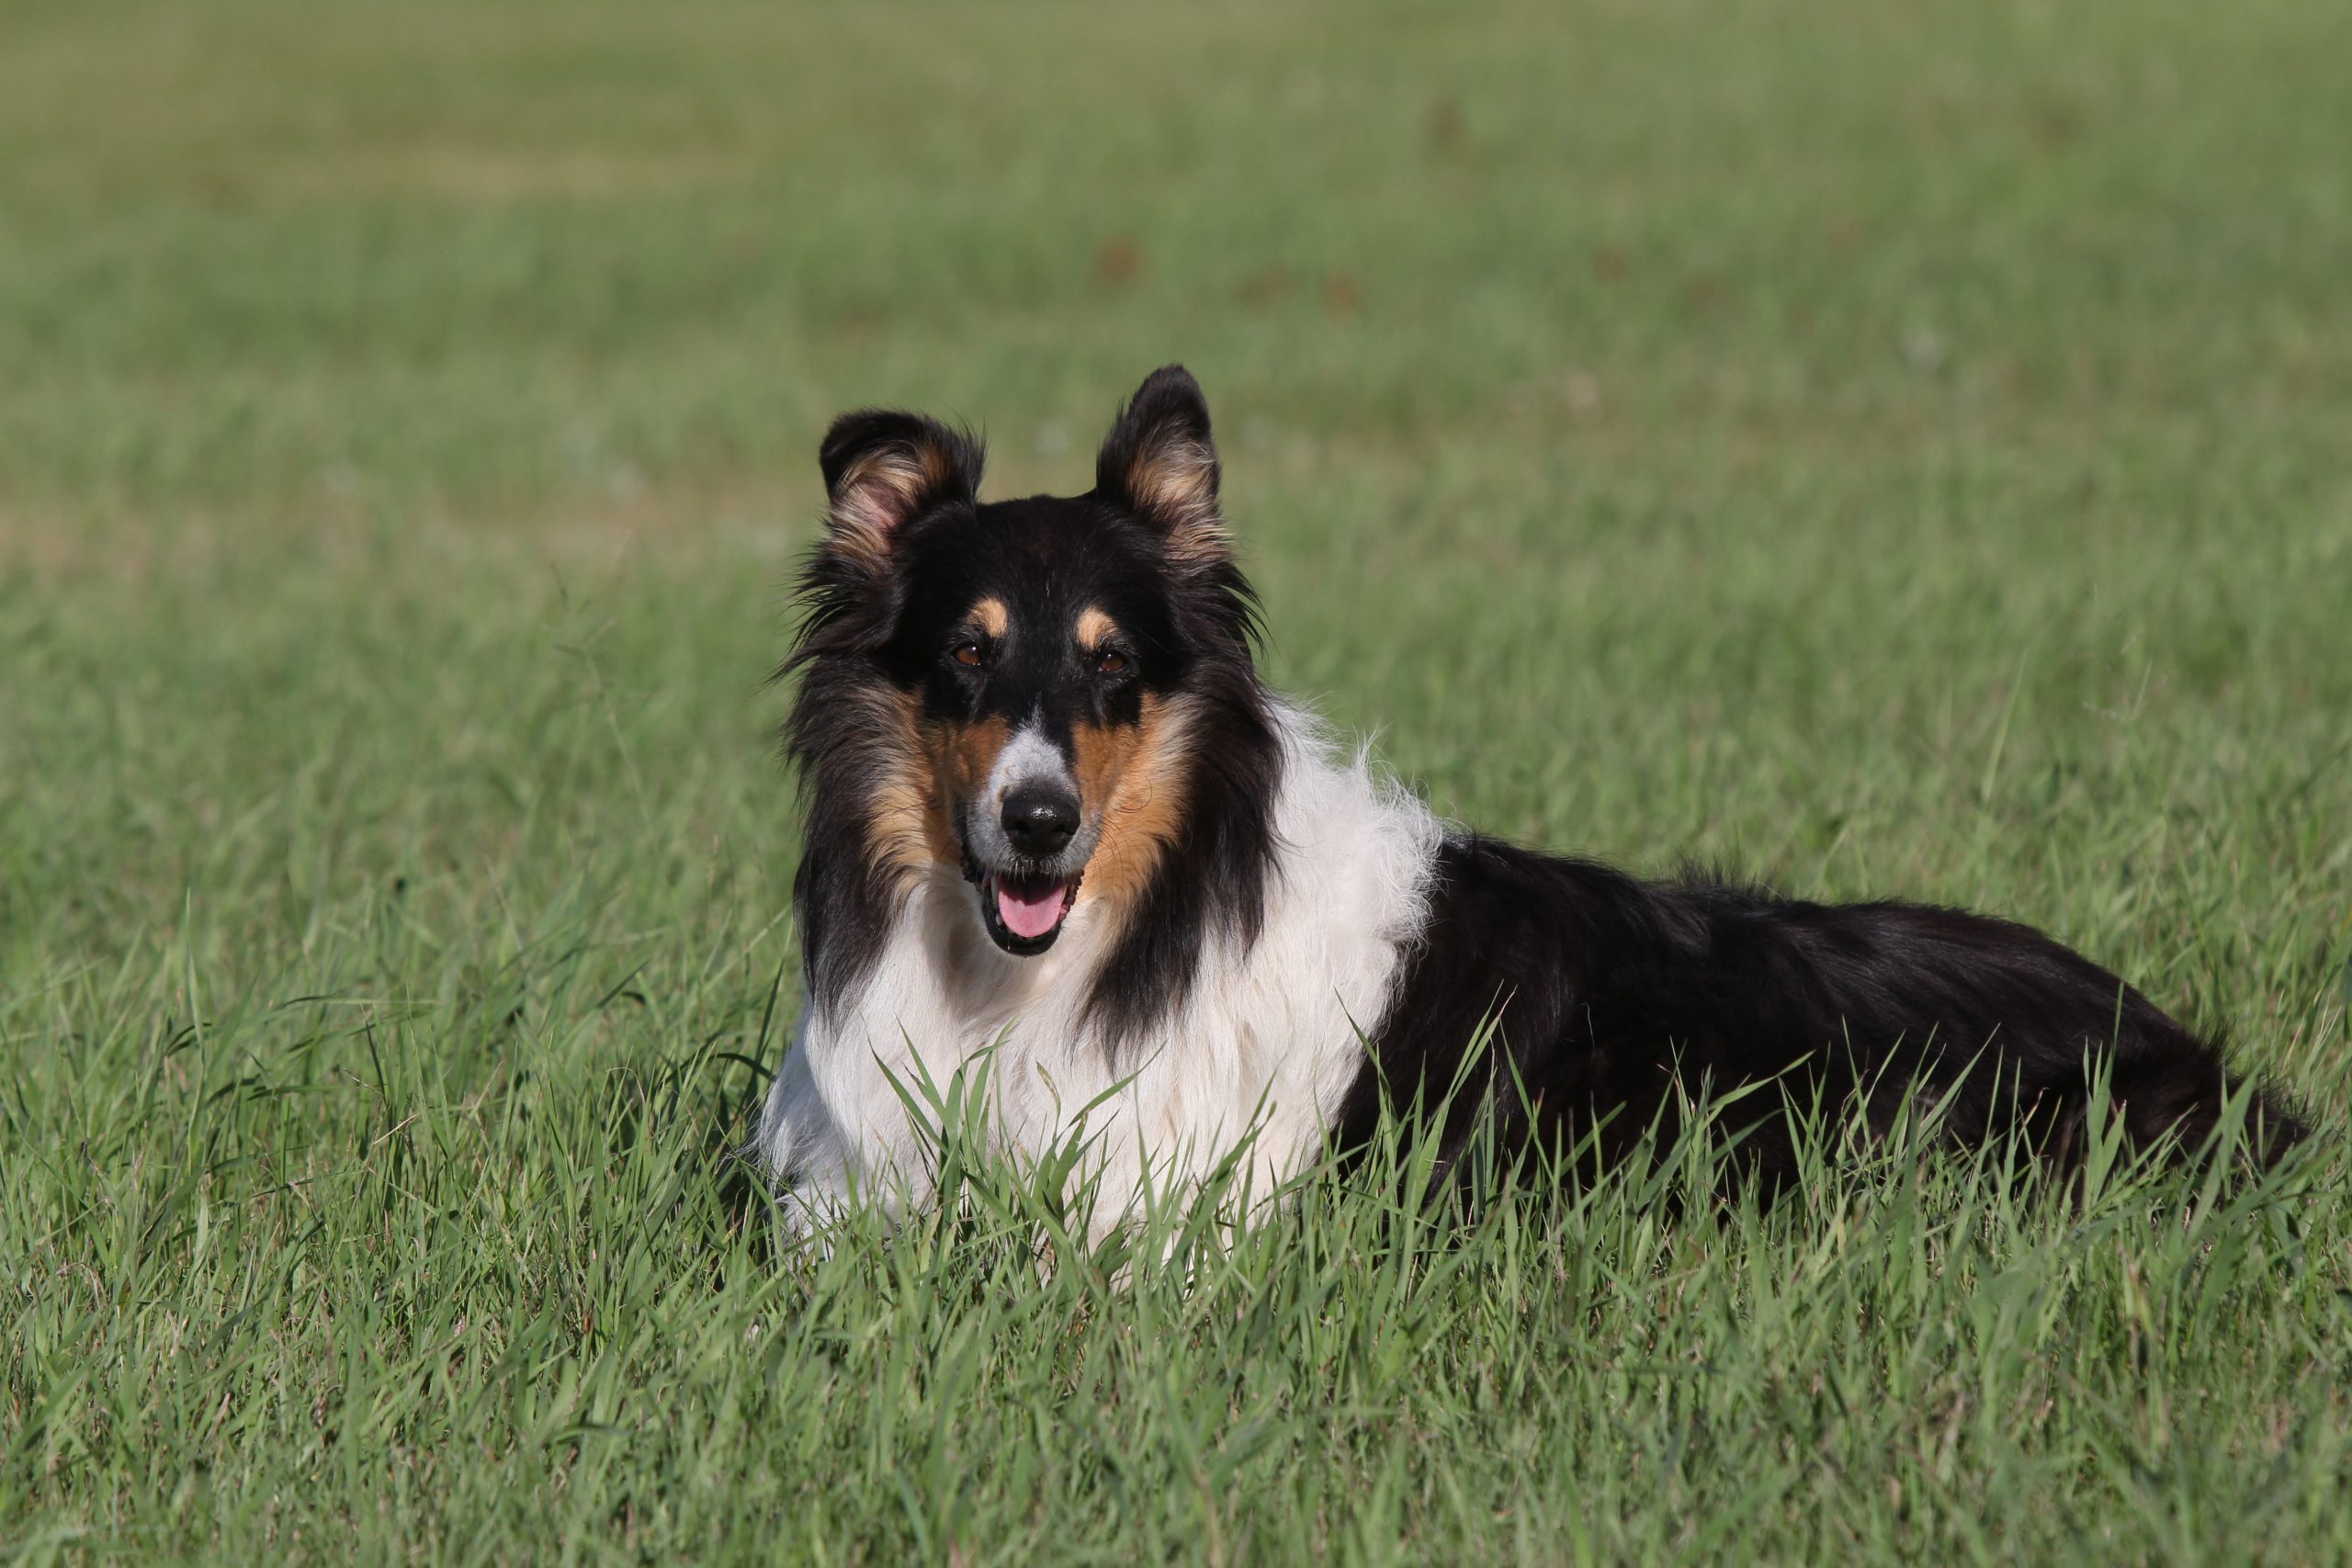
<point>1054,817</point>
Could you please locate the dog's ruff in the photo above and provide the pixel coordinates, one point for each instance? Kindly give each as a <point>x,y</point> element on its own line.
<point>1062,841</point>
<point>1259,1056</point>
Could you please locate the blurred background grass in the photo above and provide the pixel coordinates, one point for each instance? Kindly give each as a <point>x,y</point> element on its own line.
<point>1883,448</point>
<point>521,256</point>
<point>1879,447</point>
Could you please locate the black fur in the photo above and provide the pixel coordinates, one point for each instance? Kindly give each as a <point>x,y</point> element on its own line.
<point>1601,989</point>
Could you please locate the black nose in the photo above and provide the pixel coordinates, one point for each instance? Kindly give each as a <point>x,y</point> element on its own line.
<point>1039,821</point>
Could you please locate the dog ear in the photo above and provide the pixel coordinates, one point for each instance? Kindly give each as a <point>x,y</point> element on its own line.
<point>1160,463</point>
<point>884,467</point>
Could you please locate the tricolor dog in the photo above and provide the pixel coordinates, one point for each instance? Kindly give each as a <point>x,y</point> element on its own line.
<point>1054,815</point>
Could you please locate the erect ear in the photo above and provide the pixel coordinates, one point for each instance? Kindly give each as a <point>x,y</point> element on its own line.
<point>883,466</point>
<point>1159,462</point>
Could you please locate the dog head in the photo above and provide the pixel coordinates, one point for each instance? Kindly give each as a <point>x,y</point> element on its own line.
<point>1020,688</point>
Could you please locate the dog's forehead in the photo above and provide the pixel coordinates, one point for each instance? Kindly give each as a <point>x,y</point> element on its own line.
<point>1046,536</point>
<point>1039,555</point>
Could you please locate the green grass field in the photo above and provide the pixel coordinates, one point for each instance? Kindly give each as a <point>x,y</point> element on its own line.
<point>1882,448</point>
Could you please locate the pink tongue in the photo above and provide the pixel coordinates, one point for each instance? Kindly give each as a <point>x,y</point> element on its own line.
<point>1030,911</point>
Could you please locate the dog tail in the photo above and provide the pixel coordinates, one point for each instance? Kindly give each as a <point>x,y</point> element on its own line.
<point>2185,1094</point>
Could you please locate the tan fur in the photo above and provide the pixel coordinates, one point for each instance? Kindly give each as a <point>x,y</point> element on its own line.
<point>907,814</point>
<point>1138,773</point>
<point>961,757</point>
<point>930,766</point>
<point>1176,481</point>
<point>991,617</point>
<point>1094,628</point>
<point>875,494</point>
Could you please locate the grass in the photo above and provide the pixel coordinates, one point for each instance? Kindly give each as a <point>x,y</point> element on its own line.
<point>1884,449</point>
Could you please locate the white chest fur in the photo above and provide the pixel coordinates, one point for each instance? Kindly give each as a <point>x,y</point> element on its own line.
<point>1266,1044</point>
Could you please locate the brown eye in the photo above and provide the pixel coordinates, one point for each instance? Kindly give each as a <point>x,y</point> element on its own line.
<point>967,654</point>
<point>1110,661</point>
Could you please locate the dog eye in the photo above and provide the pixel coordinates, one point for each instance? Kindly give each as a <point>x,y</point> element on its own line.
<point>1110,661</point>
<point>967,654</point>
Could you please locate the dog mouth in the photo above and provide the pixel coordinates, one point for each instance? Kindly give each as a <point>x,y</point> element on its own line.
<point>1023,911</point>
